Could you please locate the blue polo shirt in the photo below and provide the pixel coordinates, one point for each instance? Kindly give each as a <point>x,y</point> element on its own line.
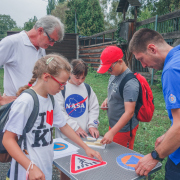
<point>171,88</point>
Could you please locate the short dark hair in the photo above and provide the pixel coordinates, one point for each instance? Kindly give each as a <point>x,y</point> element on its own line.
<point>79,67</point>
<point>142,38</point>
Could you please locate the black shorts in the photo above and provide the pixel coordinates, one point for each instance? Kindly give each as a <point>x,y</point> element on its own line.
<point>172,170</point>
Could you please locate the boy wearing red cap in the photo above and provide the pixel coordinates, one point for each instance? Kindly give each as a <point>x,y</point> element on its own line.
<point>123,123</point>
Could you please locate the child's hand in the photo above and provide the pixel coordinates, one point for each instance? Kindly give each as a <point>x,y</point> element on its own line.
<point>94,132</point>
<point>80,132</point>
<point>92,153</point>
<point>108,138</point>
<point>104,105</point>
<point>36,174</point>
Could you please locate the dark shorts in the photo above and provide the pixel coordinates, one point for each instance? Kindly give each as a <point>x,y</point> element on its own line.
<point>172,170</point>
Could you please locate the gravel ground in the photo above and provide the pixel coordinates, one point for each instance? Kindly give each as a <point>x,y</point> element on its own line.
<point>4,167</point>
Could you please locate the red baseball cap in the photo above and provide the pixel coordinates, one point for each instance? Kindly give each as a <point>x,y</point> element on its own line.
<point>110,55</point>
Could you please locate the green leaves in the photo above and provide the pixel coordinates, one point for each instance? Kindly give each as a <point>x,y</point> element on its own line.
<point>6,24</point>
<point>29,24</point>
<point>88,15</point>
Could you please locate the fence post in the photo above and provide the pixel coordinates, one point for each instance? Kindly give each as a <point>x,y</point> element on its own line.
<point>152,75</point>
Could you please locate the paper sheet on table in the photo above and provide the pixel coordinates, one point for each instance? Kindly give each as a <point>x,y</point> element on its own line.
<point>95,144</point>
<point>63,148</point>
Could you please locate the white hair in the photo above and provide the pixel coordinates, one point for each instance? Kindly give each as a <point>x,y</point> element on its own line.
<point>49,23</point>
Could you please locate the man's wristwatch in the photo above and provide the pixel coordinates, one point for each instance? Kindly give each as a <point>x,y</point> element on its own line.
<point>155,155</point>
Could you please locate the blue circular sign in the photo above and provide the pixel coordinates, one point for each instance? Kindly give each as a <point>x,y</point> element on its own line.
<point>75,105</point>
<point>58,146</point>
<point>129,160</point>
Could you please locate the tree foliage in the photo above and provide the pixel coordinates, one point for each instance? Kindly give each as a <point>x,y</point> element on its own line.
<point>111,16</point>
<point>6,24</point>
<point>29,24</point>
<point>60,11</point>
<point>88,15</point>
<point>166,6</point>
<point>60,1</point>
<point>51,5</point>
<point>148,9</point>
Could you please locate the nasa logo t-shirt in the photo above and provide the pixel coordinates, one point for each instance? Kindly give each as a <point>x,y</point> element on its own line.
<point>75,105</point>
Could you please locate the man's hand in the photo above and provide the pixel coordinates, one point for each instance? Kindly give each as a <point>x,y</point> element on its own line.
<point>80,132</point>
<point>108,138</point>
<point>6,99</point>
<point>145,165</point>
<point>159,140</point>
<point>94,132</point>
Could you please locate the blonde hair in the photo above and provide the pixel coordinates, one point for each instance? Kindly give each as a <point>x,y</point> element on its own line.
<point>52,67</point>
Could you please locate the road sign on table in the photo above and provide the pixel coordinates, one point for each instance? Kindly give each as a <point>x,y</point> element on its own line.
<point>128,160</point>
<point>81,163</point>
<point>58,146</point>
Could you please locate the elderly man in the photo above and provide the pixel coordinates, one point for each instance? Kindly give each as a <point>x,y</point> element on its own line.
<point>151,50</point>
<point>19,52</point>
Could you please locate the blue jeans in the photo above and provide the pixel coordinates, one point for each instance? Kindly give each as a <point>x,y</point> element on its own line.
<point>172,170</point>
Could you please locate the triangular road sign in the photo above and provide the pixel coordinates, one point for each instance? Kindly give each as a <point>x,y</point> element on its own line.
<point>81,163</point>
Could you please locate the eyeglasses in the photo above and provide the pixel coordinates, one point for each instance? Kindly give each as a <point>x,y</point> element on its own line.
<point>61,85</point>
<point>50,39</point>
<point>112,66</point>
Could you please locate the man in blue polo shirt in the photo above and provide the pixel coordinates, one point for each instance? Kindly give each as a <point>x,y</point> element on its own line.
<point>152,51</point>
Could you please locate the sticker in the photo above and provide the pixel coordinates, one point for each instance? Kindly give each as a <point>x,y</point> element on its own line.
<point>75,105</point>
<point>96,122</point>
<point>58,146</point>
<point>172,98</point>
<point>129,160</point>
<point>49,117</point>
<point>81,163</point>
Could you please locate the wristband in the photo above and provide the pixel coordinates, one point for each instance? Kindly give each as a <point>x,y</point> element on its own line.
<point>27,171</point>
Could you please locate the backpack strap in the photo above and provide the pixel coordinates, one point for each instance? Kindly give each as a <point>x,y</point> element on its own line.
<point>52,99</point>
<point>88,89</point>
<point>32,118</point>
<point>86,85</point>
<point>4,111</point>
<point>124,81</point>
<point>63,91</point>
<point>121,88</point>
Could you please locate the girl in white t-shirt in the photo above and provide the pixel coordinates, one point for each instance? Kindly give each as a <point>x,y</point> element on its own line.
<point>80,108</point>
<point>50,74</point>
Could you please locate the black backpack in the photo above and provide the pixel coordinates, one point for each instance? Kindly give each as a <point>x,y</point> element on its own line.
<point>4,115</point>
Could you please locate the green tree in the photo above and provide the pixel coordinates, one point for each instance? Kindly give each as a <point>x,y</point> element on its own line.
<point>111,17</point>
<point>88,15</point>
<point>60,1</point>
<point>17,29</point>
<point>60,11</point>
<point>51,5</point>
<point>6,24</point>
<point>166,6</point>
<point>29,24</point>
